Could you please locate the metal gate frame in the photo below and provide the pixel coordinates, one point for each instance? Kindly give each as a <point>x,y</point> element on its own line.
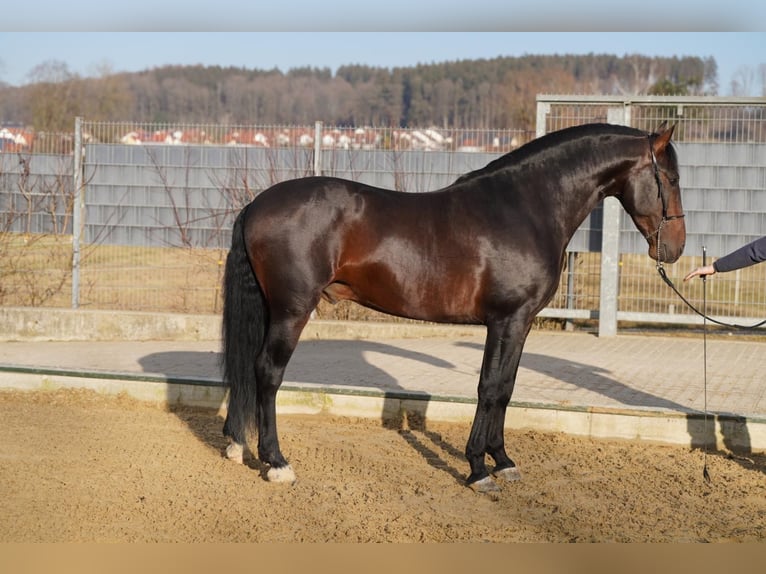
<point>619,111</point>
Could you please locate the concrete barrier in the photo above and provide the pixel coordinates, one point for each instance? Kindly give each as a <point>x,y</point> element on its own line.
<point>42,324</point>
<point>404,409</point>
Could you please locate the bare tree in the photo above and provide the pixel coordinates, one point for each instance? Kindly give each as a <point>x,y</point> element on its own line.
<point>35,245</point>
<point>54,96</point>
<point>743,82</point>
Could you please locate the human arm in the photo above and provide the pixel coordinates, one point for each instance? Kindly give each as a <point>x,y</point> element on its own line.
<point>747,255</point>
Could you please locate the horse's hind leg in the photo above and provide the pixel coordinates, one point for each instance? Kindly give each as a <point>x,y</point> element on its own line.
<point>235,451</point>
<point>271,363</point>
<point>235,424</point>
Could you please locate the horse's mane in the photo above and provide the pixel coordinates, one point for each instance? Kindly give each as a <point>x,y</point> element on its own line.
<point>547,141</point>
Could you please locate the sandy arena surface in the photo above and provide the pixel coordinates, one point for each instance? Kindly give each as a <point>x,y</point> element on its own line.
<point>79,466</point>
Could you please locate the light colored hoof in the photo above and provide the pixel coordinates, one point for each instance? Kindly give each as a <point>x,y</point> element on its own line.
<point>235,452</point>
<point>281,474</point>
<point>511,474</point>
<point>485,486</point>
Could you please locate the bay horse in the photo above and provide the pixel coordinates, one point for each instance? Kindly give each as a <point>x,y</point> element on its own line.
<point>487,249</point>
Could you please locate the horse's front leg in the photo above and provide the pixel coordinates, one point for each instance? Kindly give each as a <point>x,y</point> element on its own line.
<point>502,352</point>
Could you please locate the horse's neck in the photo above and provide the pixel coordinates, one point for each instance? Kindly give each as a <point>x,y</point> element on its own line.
<point>596,179</point>
<point>581,199</point>
<point>563,185</point>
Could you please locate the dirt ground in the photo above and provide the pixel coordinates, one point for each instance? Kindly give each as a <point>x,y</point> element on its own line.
<point>79,466</point>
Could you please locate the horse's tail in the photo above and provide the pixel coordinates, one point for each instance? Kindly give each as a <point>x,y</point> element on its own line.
<point>244,327</point>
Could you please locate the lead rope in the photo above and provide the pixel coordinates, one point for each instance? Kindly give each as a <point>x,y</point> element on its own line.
<point>705,473</point>
<point>661,271</point>
<point>666,279</point>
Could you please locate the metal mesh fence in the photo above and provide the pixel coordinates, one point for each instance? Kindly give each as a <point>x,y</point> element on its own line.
<point>159,202</point>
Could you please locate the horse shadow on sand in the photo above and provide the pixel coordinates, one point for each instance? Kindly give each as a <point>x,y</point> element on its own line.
<point>342,365</point>
<point>700,426</point>
<point>345,363</point>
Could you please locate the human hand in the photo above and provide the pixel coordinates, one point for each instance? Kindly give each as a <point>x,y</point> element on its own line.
<point>703,271</point>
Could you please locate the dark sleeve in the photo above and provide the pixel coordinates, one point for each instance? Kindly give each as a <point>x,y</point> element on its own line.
<point>745,256</point>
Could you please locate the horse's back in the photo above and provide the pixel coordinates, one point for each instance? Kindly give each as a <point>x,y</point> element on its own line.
<point>327,205</point>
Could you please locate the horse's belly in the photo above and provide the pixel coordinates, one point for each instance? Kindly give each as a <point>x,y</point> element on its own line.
<point>411,299</point>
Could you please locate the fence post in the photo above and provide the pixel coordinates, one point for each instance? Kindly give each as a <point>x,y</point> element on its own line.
<point>318,148</point>
<point>610,247</point>
<point>543,109</point>
<point>77,210</point>
<point>317,165</point>
<point>610,258</point>
<point>571,260</point>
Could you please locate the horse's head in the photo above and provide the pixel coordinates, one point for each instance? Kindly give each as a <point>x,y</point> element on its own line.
<point>652,197</point>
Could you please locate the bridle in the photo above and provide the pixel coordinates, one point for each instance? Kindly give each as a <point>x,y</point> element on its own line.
<point>663,199</point>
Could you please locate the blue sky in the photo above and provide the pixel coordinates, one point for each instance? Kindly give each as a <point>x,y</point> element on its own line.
<point>390,15</point>
<point>296,33</point>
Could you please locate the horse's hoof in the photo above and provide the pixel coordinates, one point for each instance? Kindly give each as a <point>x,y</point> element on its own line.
<point>485,486</point>
<point>510,474</point>
<point>281,474</point>
<point>235,452</point>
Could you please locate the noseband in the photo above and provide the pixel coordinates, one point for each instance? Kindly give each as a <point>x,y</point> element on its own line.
<point>661,196</point>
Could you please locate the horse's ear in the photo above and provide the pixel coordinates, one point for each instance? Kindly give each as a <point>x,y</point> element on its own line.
<point>664,134</point>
